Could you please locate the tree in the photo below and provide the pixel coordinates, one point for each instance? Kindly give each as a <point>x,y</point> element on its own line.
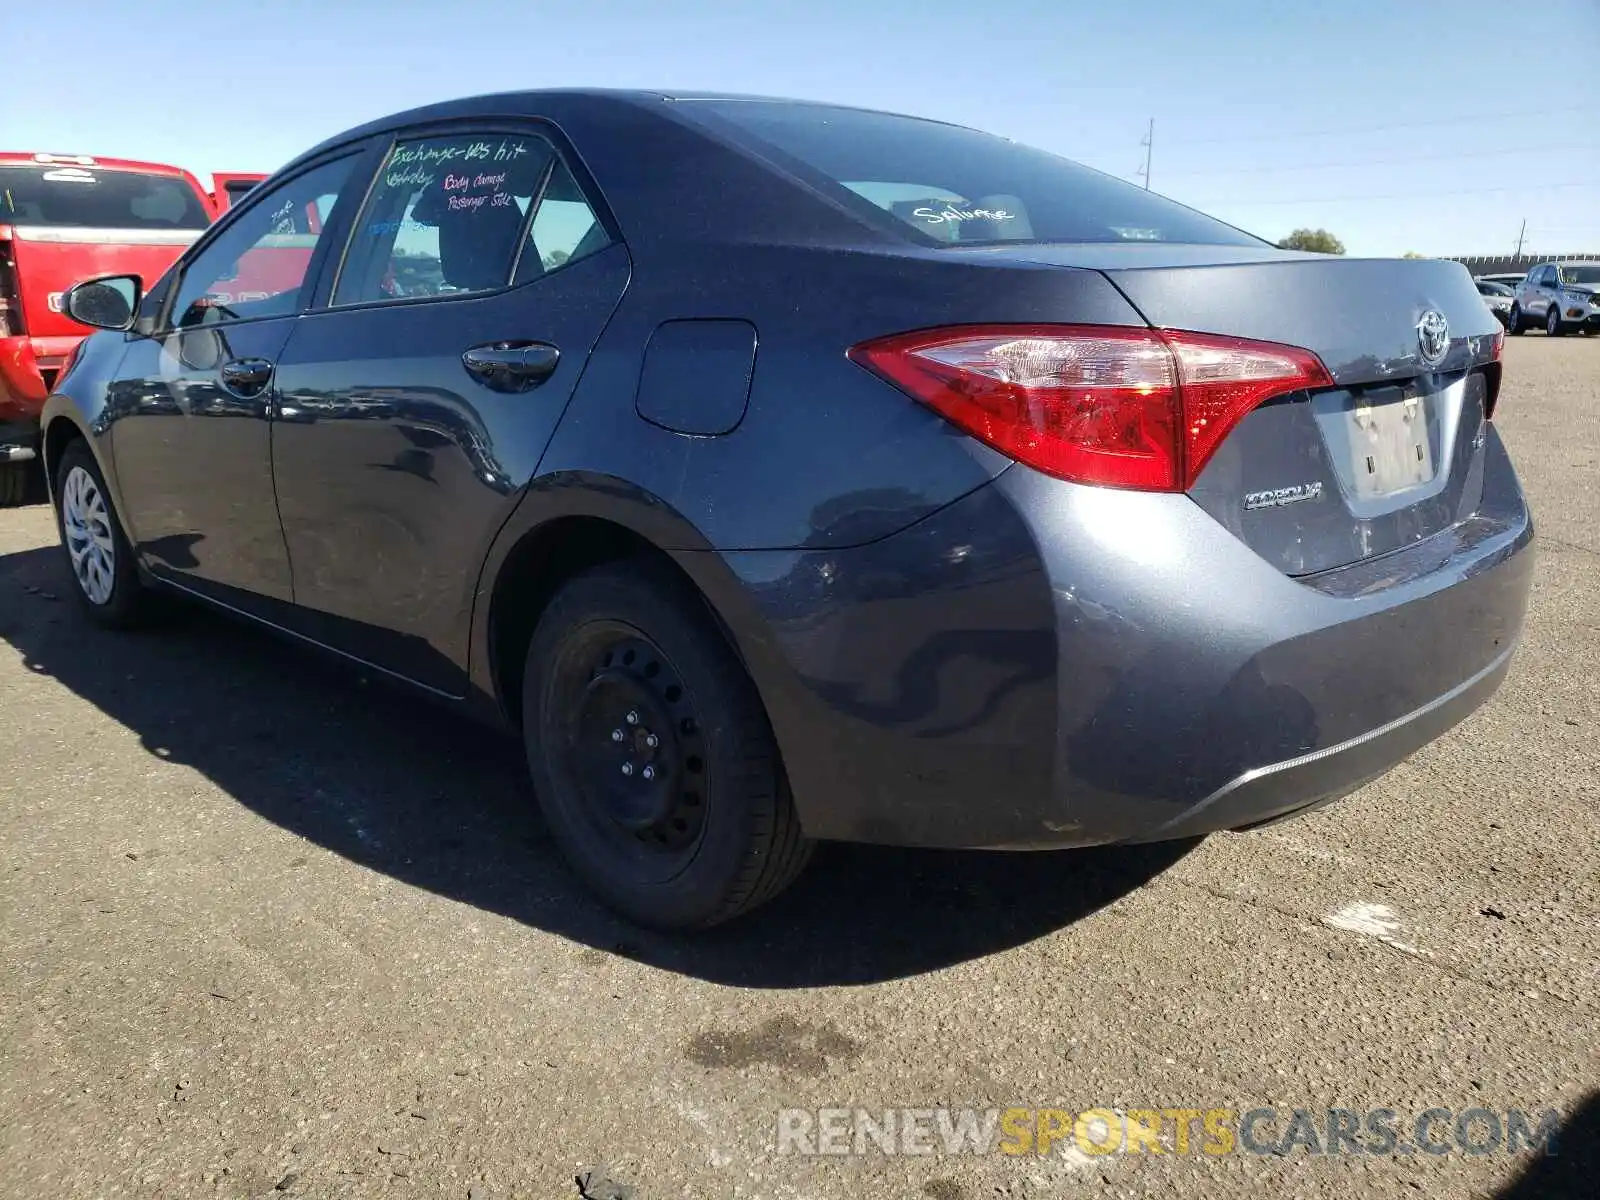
<point>1318,240</point>
<point>1413,254</point>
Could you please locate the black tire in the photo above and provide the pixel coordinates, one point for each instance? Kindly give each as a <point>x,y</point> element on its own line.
<point>709,831</point>
<point>1514,322</point>
<point>131,601</point>
<point>1552,321</point>
<point>16,483</point>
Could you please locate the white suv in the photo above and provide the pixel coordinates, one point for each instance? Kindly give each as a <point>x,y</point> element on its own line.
<point>1559,296</point>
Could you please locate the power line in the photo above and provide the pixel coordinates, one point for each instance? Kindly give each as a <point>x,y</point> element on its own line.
<point>1539,187</point>
<point>1373,162</point>
<point>1268,137</point>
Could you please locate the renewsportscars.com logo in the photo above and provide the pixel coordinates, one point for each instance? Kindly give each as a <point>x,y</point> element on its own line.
<point>1209,1131</point>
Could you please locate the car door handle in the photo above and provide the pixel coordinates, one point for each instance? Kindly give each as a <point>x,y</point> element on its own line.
<point>516,366</point>
<point>246,377</point>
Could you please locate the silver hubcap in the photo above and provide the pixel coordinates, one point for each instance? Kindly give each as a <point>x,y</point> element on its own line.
<point>87,528</point>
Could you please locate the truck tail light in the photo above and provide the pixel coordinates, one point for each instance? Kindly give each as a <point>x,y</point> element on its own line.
<point>10,297</point>
<point>1118,407</point>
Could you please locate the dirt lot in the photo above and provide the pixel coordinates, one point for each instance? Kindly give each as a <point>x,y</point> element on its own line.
<point>266,929</point>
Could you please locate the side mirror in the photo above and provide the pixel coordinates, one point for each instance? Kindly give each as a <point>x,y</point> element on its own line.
<point>109,302</point>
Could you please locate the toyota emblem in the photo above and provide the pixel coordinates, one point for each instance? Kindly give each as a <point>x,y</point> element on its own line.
<point>1433,337</point>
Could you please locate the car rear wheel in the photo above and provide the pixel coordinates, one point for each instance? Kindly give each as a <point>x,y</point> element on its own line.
<point>1552,320</point>
<point>98,554</point>
<point>1514,323</point>
<point>651,754</point>
<point>15,480</point>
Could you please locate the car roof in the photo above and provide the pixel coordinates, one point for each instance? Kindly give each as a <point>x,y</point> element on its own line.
<point>31,158</point>
<point>532,101</point>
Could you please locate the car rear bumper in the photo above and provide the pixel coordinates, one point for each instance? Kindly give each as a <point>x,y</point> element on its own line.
<point>1271,793</point>
<point>29,367</point>
<point>1042,664</point>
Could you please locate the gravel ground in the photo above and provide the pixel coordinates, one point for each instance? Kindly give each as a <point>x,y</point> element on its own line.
<point>265,929</point>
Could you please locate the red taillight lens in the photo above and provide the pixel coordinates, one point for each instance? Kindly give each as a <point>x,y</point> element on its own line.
<point>10,301</point>
<point>1131,408</point>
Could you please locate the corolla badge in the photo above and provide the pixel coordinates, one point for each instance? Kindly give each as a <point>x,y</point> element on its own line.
<point>1278,497</point>
<point>1433,337</point>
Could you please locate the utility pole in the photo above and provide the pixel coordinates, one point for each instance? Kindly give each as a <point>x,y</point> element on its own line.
<point>1149,144</point>
<point>1520,235</point>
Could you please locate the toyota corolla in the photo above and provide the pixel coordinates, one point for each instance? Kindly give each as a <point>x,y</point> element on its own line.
<point>782,472</point>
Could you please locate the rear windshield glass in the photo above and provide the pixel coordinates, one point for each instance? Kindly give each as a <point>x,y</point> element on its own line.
<point>949,184</point>
<point>88,197</point>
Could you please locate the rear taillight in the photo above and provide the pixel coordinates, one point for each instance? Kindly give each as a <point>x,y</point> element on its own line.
<point>1119,407</point>
<point>10,300</point>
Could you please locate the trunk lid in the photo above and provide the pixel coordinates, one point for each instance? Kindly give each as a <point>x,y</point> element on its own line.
<point>1317,480</point>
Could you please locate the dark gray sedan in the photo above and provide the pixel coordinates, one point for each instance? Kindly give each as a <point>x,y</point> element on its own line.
<point>781,472</point>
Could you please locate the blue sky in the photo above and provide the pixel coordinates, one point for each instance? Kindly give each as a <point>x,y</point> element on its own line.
<point>1427,125</point>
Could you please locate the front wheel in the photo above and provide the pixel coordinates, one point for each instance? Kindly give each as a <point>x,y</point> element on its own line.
<point>651,754</point>
<point>1552,321</point>
<point>1514,323</point>
<point>97,550</point>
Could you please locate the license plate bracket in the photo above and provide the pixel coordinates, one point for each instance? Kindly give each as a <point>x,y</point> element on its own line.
<point>1390,449</point>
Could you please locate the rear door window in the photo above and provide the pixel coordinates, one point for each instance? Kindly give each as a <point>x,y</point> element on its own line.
<point>945,184</point>
<point>463,214</point>
<point>97,198</point>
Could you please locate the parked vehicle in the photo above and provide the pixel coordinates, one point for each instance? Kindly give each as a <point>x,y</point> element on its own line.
<point>782,472</point>
<point>228,188</point>
<point>1497,297</point>
<point>66,217</point>
<point>1562,297</point>
<point>1509,278</point>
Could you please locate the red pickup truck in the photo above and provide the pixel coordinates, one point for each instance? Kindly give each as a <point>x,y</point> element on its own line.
<point>229,187</point>
<point>64,218</point>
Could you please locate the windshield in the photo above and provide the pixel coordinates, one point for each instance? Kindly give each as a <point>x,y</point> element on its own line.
<point>1587,273</point>
<point>1490,288</point>
<point>87,197</point>
<point>946,184</point>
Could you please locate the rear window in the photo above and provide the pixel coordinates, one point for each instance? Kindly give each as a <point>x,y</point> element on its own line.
<point>92,198</point>
<point>946,184</point>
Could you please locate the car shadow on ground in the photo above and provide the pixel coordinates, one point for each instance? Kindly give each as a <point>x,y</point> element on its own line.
<point>405,787</point>
<point>1571,1169</point>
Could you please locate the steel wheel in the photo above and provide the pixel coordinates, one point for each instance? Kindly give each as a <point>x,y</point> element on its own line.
<point>651,754</point>
<point>1552,320</point>
<point>632,745</point>
<point>86,529</point>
